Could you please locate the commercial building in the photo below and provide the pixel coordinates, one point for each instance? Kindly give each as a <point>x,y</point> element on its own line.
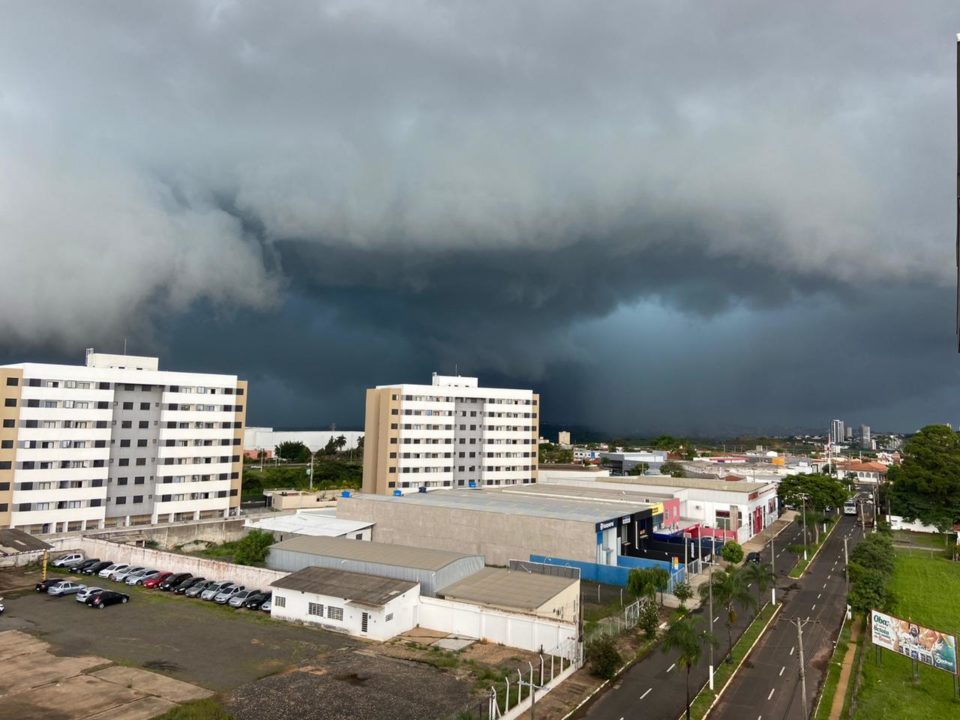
<point>116,442</point>
<point>551,596</point>
<point>256,439</point>
<point>432,569</point>
<point>354,603</point>
<point>621,463</point>
<point>861,472</point>
<point>452,433</point>
<point>311,523</point>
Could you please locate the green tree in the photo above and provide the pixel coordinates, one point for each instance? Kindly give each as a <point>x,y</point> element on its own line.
<point>639,469</point>
<point>252,548</point>
<point>875,551</point>
<point>293,451</point>
<point>687,636</point>
<point>673,469</point>
<point>926,486</point>
<point>341,442</point>
<point>683,592</point>
<point>667,442</point>
<point>762,577</point>
<point>642,583</point>
<point>549,454</point>
<point>732,552</point>
<point>661,580</point>
<point>868,590</point>
<point>603,657</point>
<point>821,491</point>
<point>649,619</point>
<point>729,590</point>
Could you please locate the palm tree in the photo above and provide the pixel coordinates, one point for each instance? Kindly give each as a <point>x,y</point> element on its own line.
<point>686,635</point>
<point>729,590</point>
<point>761,575</point>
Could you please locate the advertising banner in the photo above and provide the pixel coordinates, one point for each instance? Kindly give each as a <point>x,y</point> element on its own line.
<point>931,647</point>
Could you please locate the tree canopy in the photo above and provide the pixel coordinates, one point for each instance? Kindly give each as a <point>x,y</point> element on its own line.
<point>293,451</point>
<point>822,491</point>
<point>926,486</point>
<point>673,469</point>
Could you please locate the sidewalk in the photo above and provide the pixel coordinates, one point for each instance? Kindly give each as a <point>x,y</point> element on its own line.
<point>840,694</point>
<point>759,541</point>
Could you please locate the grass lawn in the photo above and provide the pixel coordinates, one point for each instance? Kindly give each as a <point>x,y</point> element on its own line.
<point>926,589</point>
<point>725,670</point>
<point>197,710</point>
<point>833,673</point>
<point>802,564</point>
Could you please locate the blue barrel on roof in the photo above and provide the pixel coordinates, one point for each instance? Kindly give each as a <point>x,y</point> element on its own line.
<point>398,493</point>
<point>472,483</point>
<point>345,493</point>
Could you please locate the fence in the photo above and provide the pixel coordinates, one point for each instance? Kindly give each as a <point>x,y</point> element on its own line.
<point>533,682</point>
<point>21,559</point>
<point>606,574</point>
<point>614,625</point>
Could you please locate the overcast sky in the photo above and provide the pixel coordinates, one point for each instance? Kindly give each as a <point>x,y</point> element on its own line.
<point>673,216</point>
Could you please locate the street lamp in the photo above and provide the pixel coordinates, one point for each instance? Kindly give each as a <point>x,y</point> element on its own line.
<point>803,500</point>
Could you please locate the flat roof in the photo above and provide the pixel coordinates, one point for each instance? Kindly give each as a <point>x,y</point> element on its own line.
<point>356,587</point>
<point>740,486</point>
<point>309,523</point>
<point>372,552</point>
<point>587,492</point>
<point>500,501</point>
<point>516,589</point>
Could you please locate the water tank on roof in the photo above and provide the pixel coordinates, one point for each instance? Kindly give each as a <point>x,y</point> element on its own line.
<point>472,483</point>
<point>398,493</point>
<point>345,493</point>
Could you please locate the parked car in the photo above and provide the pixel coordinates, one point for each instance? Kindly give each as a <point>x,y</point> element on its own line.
<point>753,557</point>
<point>107,597</point>
<point>254,601</point>
<point>188,584</point>
<point>240,597</point>
<point>154,582</point>
<point>138,578</point>
<point>122,575</point>
<point>223,597</point>
<point>44,585</point>
<point>211,592</point>
<point>96,568</point>
<point>81,566</point>
<point>170,582</point>
<point>68,560</point>
<point>87,592</point>
<point>65,587</point>
<point>267,605</point>
<point>110,570</point>
<point>200,587</point>
<point>2,608</point>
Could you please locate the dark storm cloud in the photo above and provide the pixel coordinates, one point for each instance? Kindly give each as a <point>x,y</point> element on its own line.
<point>342,193</point>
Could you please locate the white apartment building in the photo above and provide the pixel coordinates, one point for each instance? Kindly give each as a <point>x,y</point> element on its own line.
<point>451,433</point>
<point>117,442</point>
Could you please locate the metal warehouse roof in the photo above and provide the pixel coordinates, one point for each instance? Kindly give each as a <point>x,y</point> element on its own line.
<point>692,483</point>
<point>372,552</point>
<point>589,492</point>
<point>309,523</point>
<point>356,587</point>
<point>504,502</point>
<point>16,541</point>
<point>507,588</point>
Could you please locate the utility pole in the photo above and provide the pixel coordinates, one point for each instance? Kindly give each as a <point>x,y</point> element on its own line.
<point>803,674</point>
<point>773,568</point>
<point>803,499</point>
<point>710,589</point>
<point>311,471</point>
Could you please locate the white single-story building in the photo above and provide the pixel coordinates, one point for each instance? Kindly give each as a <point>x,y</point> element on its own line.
<point>519,590</point>
<point>366,606</point>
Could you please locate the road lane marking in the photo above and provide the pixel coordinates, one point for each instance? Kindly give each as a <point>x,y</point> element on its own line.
<point>671,667</point>
<point>808,619</point>
<point>646,693</point>
<point>792,649</point>
<point>814,607</point>
<point>771,693</point>
<point>781,671</point>
<point>717,619</point>
<point>818,595</point>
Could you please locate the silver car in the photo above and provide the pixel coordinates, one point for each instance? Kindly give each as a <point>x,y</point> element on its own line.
<point>65,587</point>
<point>213,590</point>
<point>223,597</point>
<point>138,578</point>
<point>110,570</point>
<point>68,560</point>
<point>241,597</point>
<point>122,575</point>
<point>87,593</point>
<point>267,606</point>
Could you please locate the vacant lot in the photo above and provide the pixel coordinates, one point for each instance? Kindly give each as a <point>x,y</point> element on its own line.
<point>926,589</point>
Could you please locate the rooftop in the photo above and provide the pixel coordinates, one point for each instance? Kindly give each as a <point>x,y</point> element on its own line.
<point>515,589</point>
<point>372,552</point>
<point>14,541</point>
<point>539,505</point>
<point>309,523</point>
<point>589,491</point>
<point>692,483</point>
<point>357,587</point>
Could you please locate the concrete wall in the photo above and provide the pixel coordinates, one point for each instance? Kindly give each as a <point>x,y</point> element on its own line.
<point>499,537</point>
<point>21,559</point>
<point>173,562</point>
<point>294,500</point>
<point>520,631</point>
<point>402,611</point>
<point>170,536</point>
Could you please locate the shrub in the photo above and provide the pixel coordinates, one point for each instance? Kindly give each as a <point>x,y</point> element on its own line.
<point>603,657</point>
<point>649,619</point>
<point>252,548</point>
<point>732,552</point>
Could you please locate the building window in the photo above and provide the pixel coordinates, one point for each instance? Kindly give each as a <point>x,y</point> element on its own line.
<point>5,465</point>
<point>141,461</point>
<point>126,424</point>
<point>6,444</point>
<point>388,617</point>
<point>123,462</point>
<point>279,601</point>
<point>315,609</point>
<point>138,498</point>
<point>121,501</point>
<point>8,423</point>
<point>121,481</point>
<point>10,402</point>
<point>144,406</point>
<point>12,381</point>
<point>141,443</point>
<point>144,424</point>
<point>138,480</point>
<point>334,613</point>
<point>124,443</point>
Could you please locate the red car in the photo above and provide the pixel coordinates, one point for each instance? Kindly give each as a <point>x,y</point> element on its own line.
<point>155,581</point>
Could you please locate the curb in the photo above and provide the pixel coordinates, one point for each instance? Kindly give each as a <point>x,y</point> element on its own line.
<point>816,552</point>
<point>737,668</point>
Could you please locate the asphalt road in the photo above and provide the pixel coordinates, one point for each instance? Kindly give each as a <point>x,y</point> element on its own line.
<point>769,685</point>
<point>654,689</point>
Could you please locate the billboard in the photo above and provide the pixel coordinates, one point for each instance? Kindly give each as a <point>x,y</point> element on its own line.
<point>931,647</point>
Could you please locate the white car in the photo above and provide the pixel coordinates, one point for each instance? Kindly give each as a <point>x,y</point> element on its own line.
<point>138,578</point>
<point>122,575</point>
<point>115,568</point>
<point>68,560</point>
<point>86,593</point>
<point>65,587</point>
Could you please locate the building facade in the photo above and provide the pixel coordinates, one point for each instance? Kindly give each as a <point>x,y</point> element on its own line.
<point>117,442</point>
<point>452,433</point>
<point>837,432</point>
